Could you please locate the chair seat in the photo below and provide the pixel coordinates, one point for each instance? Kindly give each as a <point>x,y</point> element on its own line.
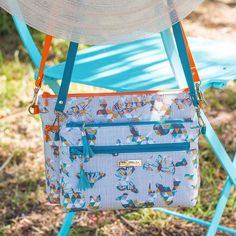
<point>143,65</point>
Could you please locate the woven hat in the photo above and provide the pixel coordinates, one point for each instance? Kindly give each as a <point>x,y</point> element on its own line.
<point>100,21</point>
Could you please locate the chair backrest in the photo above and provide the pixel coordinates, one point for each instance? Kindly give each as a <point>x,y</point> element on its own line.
<point>167,39</point>
<point>173,57</point>
<point>28,41</point>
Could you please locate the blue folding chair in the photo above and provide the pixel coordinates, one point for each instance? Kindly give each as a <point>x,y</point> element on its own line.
<point>143,65</point>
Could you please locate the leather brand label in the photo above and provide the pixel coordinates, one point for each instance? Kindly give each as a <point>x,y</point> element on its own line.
<point>128,163</point>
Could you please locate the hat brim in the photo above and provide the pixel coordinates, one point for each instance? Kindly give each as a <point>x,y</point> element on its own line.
<point>100,21</point>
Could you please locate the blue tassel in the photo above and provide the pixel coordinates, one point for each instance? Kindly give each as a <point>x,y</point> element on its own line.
<point>87,151</point>
<point>83,180</point>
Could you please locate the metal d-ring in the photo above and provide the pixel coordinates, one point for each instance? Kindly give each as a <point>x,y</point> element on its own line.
<point>31,109</point>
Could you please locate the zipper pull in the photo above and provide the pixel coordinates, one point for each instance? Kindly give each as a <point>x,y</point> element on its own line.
<point>56,130</point>
<point>87,151</point>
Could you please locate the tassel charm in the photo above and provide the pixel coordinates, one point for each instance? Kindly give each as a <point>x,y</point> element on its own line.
<point>87,151</point>
<point>83,179</point>
<point>84,183</point>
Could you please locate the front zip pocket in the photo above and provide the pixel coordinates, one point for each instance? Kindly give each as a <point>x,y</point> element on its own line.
<point>167,170</point>
<point>80,124</point>
<point>114,150</point>
<point>129,133</point>
<point>135,159</point>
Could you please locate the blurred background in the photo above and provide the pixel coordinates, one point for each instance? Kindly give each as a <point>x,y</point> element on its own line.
<point>23,206</point>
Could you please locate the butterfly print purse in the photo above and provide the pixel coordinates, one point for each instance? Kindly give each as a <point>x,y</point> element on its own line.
<point>120,150</point>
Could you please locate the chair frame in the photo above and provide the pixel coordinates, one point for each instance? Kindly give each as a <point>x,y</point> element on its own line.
<point>210,135</point>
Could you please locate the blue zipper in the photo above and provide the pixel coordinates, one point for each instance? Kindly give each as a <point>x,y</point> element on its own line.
<point>164,147</point>
<point>80,124</point>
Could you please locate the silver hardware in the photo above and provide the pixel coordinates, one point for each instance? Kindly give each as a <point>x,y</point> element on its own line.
<point>34,100</point>
<point>200,94</point>
<point>200,119</point>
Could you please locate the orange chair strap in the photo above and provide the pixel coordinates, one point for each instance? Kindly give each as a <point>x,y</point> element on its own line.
<point>47,44</point>
<point>196,77</point>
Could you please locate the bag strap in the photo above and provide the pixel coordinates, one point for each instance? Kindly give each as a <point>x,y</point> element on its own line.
<point>45,52</point>
<point>185,55</point>
<point>190,71</point>
<point>193,67</point>
<point>184,58</point>
<point>33,108</point>
<point>66,79</point>
<point>194,70</point>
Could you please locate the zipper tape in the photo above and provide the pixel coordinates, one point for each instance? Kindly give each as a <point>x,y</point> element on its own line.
<point>164,147</point>
<point>167,91</point>
<point>80,124</point>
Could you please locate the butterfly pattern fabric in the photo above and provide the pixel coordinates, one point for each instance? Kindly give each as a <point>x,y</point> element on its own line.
<point>163,164</point>
<point>152,118</point>
<point>125,181</point>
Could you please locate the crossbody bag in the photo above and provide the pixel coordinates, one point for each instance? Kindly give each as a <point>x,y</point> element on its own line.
<point>121,150</point>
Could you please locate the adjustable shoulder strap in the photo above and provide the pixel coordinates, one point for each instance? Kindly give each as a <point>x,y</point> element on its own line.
<point>47,44</point>
<point>66,79</point>
<point>33,108</point>
<point>195,74</point>
<point>185,61</point>
<point>185,57</point>
<point>61,101</point>
<point>190,71</point>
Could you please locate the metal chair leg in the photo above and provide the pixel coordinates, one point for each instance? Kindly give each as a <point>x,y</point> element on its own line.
<point>219,150</point>
<point>195,220</point>
<point>230,168</point>
<point>65,228</point>
<point>221,205</point>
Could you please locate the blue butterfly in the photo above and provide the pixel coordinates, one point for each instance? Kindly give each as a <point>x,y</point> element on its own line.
<point>125,183</point>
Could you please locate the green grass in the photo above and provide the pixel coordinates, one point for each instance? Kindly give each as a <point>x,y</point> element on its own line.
<point>83,231</point>
<point>6,26</point>
<point>15,92</point>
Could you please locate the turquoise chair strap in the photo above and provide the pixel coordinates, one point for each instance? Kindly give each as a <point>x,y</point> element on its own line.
<point>65,84</point>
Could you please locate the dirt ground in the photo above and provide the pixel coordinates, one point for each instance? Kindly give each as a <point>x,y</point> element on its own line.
<point>23,206</point>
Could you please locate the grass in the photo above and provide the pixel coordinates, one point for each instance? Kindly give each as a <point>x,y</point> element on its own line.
<point>23,206</point>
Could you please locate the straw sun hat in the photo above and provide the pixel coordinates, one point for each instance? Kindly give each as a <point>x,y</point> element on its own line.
<point>100,21</point>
